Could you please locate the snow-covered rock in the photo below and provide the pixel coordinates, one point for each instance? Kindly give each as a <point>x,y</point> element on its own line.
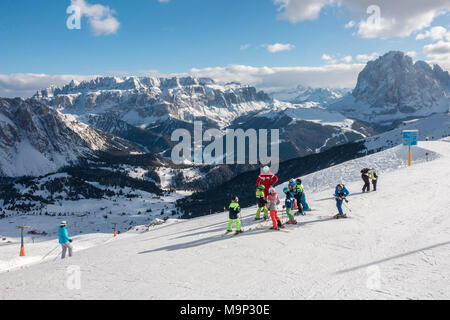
<point>141,101</point>
<point>36,139</point>
<point>393,87</point>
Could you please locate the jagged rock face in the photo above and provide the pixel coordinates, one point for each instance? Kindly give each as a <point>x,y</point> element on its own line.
<point>141,101</point>
<point>317,96</point>
<point>393,87</point>
<point>35,139</point>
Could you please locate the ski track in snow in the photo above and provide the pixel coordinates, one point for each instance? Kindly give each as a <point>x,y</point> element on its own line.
<point>396,246</point>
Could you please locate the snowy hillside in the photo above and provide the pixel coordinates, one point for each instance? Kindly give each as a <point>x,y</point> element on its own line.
<point>36,140</point>
<point>393,246</point>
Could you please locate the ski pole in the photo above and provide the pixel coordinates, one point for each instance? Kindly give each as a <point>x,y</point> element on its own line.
<point>50,252</point>
<point>347,207</point>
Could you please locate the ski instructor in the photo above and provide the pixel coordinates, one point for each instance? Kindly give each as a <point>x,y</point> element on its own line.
<point>267,179</point>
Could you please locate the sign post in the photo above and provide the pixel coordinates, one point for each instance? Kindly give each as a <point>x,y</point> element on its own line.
<point>410,138</point>
<point>115,228</point>
<point>22,247</point>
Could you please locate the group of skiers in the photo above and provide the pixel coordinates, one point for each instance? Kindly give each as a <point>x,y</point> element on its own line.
<point>367,175</point>
<point>268,200</point>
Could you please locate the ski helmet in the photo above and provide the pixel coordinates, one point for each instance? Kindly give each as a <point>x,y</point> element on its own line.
<point>340,186</point>
<point>292,183</point>
<point>235,198</point>
<point>299,181</point>
<point>272,191</point>
<point>64,223</point>
<point>286,190</point>
<point>266,169</point>
<point>261,187</point>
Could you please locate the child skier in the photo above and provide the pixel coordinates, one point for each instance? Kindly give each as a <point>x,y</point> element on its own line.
<point>234,210</point>
<point>374,178</point>
<point>288,204</point>
<point>272,202</point>
<point>340,194</point>
<point>262,203</point>
<point>298,195</point>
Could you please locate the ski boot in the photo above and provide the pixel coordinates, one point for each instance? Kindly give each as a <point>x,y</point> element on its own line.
<point>265,218</point>
<point>239,231</point>
<point>280,225</point>
<point>257,219</point>
<point>275,228</point>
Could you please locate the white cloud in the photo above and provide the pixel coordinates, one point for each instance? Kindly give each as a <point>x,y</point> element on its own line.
<point>26,84</point>
<point>435,33</point>
<point>278,47</point>
<point>411,54</point>
<point>276,78</point>
<point>350,24</point>
<point>367,57</point>
<point>347,59</point>
<point>438,53</point>
<point>100,18</point>
<point>399,18</point>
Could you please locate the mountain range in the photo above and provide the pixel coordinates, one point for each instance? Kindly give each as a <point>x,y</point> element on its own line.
<point>89,130</point>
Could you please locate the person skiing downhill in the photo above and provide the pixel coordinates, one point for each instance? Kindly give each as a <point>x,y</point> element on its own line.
<point>365,177</point>
<point>288,204</point>
<point>340,194</point>
<point>272,203</point>
<point>374,178</point>
<point>64,240</point>
<point>262,203</point>
<point>234,210</point>
<point>267,179</point>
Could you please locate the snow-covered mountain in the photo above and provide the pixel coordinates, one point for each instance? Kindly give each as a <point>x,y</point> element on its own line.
<point>36,139</point>
<point>142,101</point>
<point>393,87</point>
<point>308,95</point>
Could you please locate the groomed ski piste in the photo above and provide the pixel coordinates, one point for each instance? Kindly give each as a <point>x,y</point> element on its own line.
<point>395,245</point>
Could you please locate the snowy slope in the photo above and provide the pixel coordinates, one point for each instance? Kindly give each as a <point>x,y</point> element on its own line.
<point>395,246</point>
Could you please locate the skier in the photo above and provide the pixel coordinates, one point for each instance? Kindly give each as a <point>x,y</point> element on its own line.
<point>234,210</point>
<point>64,240</point>
<point>300,188</point>
<point>374,178</point>
<point>298,194</point>
<point>267,179</point>
<point>288,204</point>
<point>272,202</point>
<point>262,203</point>
<point>340,194</point>
<point>365,177</point>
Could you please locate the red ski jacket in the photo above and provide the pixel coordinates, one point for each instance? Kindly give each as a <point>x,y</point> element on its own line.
<point>267,180</point>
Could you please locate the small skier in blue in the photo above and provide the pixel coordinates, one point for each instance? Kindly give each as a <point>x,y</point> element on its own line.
<point>340,194</point>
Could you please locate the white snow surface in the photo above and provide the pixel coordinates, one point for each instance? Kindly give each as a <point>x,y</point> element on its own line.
<point>394,246</point>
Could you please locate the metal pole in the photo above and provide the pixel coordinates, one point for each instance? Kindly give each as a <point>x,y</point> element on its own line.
<point>409,156</point>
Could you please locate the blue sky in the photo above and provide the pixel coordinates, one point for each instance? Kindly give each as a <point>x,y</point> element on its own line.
<point>176,36</point>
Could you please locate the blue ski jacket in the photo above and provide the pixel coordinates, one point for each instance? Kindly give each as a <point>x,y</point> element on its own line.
<point>344,191</point>
<point>289,202</point>
<point>63,235</point>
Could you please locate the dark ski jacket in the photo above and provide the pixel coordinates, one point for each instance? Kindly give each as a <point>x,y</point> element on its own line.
<point>234,210</point>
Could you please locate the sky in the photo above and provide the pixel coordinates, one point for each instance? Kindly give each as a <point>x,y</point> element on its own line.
<point>272,44</point>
